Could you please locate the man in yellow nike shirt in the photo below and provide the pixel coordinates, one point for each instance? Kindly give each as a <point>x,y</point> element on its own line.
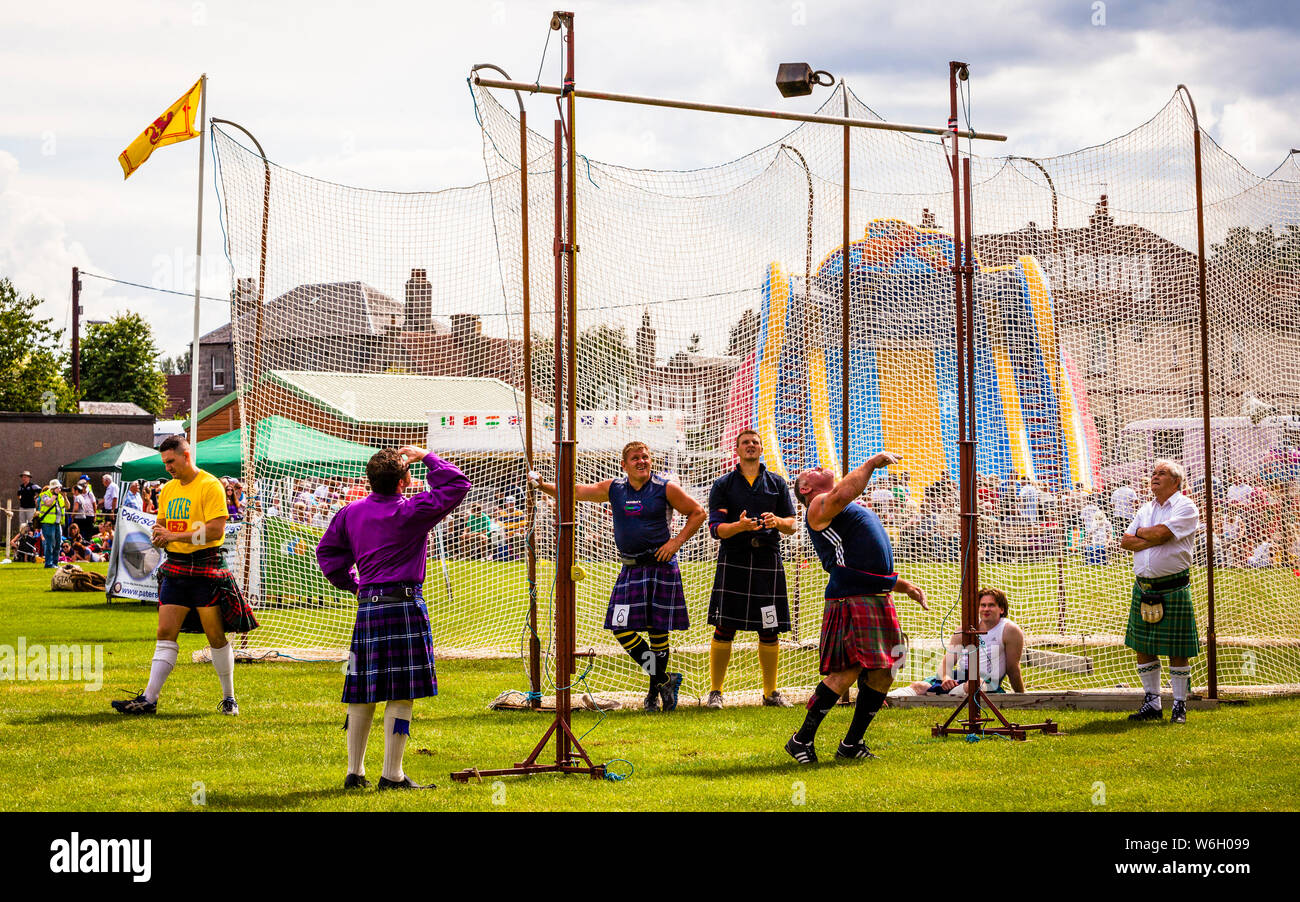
<point>196,593</point>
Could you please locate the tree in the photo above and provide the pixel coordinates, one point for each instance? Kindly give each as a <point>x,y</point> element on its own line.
<point>175,366</point>
<point>604,368</point>
<point>30,358</point>
<point>1245,249</point>
<point>117,364</point>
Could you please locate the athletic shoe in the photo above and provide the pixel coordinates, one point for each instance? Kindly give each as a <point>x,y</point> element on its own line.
<point>669,689</point>
<point>355,781</point>
<point>1149,711</point>
<point>137,705</point>
<point>803,752</point>
<point>1179,714</point>
<point>776,700</point>
<point>715,699</point>
<point>404,783</point>
<point>228,706</point>
<point>859,750</point>
<point>651,703</point>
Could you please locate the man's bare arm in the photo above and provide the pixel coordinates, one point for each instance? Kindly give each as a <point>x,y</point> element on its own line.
<point>695,517</point>
<point>1154,535</point>
<point>595,492</point>
<point>829,505</point>
<point>1013,646</point>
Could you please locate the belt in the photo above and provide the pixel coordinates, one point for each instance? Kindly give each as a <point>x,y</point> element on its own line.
<point>389,590</point>
<point>1164,583</point>
<point>645,559</point>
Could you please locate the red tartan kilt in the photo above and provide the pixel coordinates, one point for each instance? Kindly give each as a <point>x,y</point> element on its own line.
<point>860,631</point>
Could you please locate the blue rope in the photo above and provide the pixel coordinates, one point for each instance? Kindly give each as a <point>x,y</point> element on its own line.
<point>615,777</point>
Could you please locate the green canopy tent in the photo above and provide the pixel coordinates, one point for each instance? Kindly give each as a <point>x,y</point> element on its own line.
<point>111,460</point>
<point>284,448</point>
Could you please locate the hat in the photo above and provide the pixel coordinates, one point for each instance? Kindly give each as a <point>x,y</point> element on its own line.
<point>25,473</point>
<point>54,484</point>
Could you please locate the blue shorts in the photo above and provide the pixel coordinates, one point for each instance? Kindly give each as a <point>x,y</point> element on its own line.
<point>187,591</point>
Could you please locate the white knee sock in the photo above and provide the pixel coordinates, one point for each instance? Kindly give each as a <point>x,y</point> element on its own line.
<point>164,659</point>
<point>223,662</point>
<point>1179,680</point>
<point>397,727</point>
<point>359,719</point>
<point>1150,676</point>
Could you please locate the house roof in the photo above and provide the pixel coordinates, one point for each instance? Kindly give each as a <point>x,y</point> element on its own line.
<point>328,309</point>
<point>113,409</point>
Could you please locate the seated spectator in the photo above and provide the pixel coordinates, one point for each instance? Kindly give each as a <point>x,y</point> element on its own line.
<point>1262,556</point>
<point>25,547</point>
<point>475,537</point>
<point>1098,539</point>
<point>1001,645</point>
<point>513,523</point>
<point>102,543</point>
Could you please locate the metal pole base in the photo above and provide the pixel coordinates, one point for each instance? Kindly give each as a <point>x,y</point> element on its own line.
<point>530,766</point>
<point>974,724</point>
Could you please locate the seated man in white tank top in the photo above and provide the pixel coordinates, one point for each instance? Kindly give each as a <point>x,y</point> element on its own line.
<point>1000,647</point>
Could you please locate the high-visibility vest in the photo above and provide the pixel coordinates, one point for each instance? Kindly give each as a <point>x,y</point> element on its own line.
<point>50,507</point>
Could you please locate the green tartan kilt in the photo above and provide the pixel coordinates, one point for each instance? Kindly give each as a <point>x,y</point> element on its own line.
<point>1174,635</point>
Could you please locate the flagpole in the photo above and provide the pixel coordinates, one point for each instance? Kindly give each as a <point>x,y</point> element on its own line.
<point>198,275</point>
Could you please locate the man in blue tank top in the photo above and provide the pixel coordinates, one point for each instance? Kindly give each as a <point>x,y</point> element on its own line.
<point>861,640</point>
<point>648,593</point>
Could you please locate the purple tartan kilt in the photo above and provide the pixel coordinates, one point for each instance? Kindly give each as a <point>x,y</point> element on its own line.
<point>860,630</point>
<point>653,597</point>
<point>391,655</point>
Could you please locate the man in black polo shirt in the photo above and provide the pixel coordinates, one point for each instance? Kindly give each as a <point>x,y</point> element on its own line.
<point>749,510</point>
<point>27,492</point>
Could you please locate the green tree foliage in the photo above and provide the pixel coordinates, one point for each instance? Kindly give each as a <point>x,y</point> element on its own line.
<point>604,369</point>
<point>175,366</point>
<point>117,364</point>
<point>30,359</point>
<point>1245,249</point>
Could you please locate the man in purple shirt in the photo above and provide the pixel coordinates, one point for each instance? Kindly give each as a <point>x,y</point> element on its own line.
<point>386,537</point>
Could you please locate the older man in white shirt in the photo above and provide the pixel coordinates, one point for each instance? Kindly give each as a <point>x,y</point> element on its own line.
<point>1161,619</point>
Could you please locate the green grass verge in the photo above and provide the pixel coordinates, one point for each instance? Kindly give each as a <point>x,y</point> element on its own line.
<point>62,748</point>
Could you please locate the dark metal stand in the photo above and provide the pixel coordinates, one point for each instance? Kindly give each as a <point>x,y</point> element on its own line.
<point>568,750</point>
<point>963,260</point>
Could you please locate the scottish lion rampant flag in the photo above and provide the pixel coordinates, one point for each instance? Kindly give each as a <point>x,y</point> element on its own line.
<point>175,124</point>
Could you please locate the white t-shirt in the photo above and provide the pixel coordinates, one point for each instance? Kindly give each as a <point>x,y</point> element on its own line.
<point>110,497</point>
<point>1239,493</point>
<point>1123,500</point>
<point>1262,556</point>
<point>881,497</point>
<point>1180,515</point>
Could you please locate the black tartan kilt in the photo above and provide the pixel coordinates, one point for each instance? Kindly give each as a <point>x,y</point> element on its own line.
<point>747,580</point>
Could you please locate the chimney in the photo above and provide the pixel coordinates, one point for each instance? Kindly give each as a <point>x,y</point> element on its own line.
<point>419,302</point>
<point>1100,217</point>
<point>927,219</point>
<point>466,337</point>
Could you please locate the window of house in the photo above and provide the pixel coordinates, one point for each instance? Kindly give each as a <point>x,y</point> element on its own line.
<point>1099,358</point>
<point>218,372</point>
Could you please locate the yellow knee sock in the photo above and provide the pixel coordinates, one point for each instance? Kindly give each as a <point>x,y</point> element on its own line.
<point>719,657</point>
<point>767,658</point>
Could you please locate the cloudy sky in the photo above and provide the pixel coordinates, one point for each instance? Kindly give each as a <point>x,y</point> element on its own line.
<point>374,95</point>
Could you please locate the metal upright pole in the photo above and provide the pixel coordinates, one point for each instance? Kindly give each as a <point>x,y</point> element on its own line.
<point>76,332</point>
<point>844,302</point>
<point>198,275</point>
<point>530,548</point>
<point>1211,637</point>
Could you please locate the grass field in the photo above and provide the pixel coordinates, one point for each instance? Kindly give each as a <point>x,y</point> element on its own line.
<point>62,748</point>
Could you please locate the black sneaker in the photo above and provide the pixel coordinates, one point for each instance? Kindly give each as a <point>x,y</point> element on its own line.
<point>137,705</point>
<point>1150,709</point>
<point>715,699</point>
<point>669,689</point>
<point>803,752</point>
<point>1179,714</point>
<point>651,703</point>
<point>776,700</point>
<point>859,750</point>
<point>228,706</point>
<point>404,783</point>
<point>355,781</point>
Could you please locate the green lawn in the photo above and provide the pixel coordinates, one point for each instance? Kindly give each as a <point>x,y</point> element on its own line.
<point>61,748</point>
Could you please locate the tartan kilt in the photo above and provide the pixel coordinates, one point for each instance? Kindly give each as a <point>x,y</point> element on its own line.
<point>861,630</point>
<point>747,581</point>
<point>391,654</point>
<point>648,597</point>
<point>1175,634</point>
<point>199,580</point>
